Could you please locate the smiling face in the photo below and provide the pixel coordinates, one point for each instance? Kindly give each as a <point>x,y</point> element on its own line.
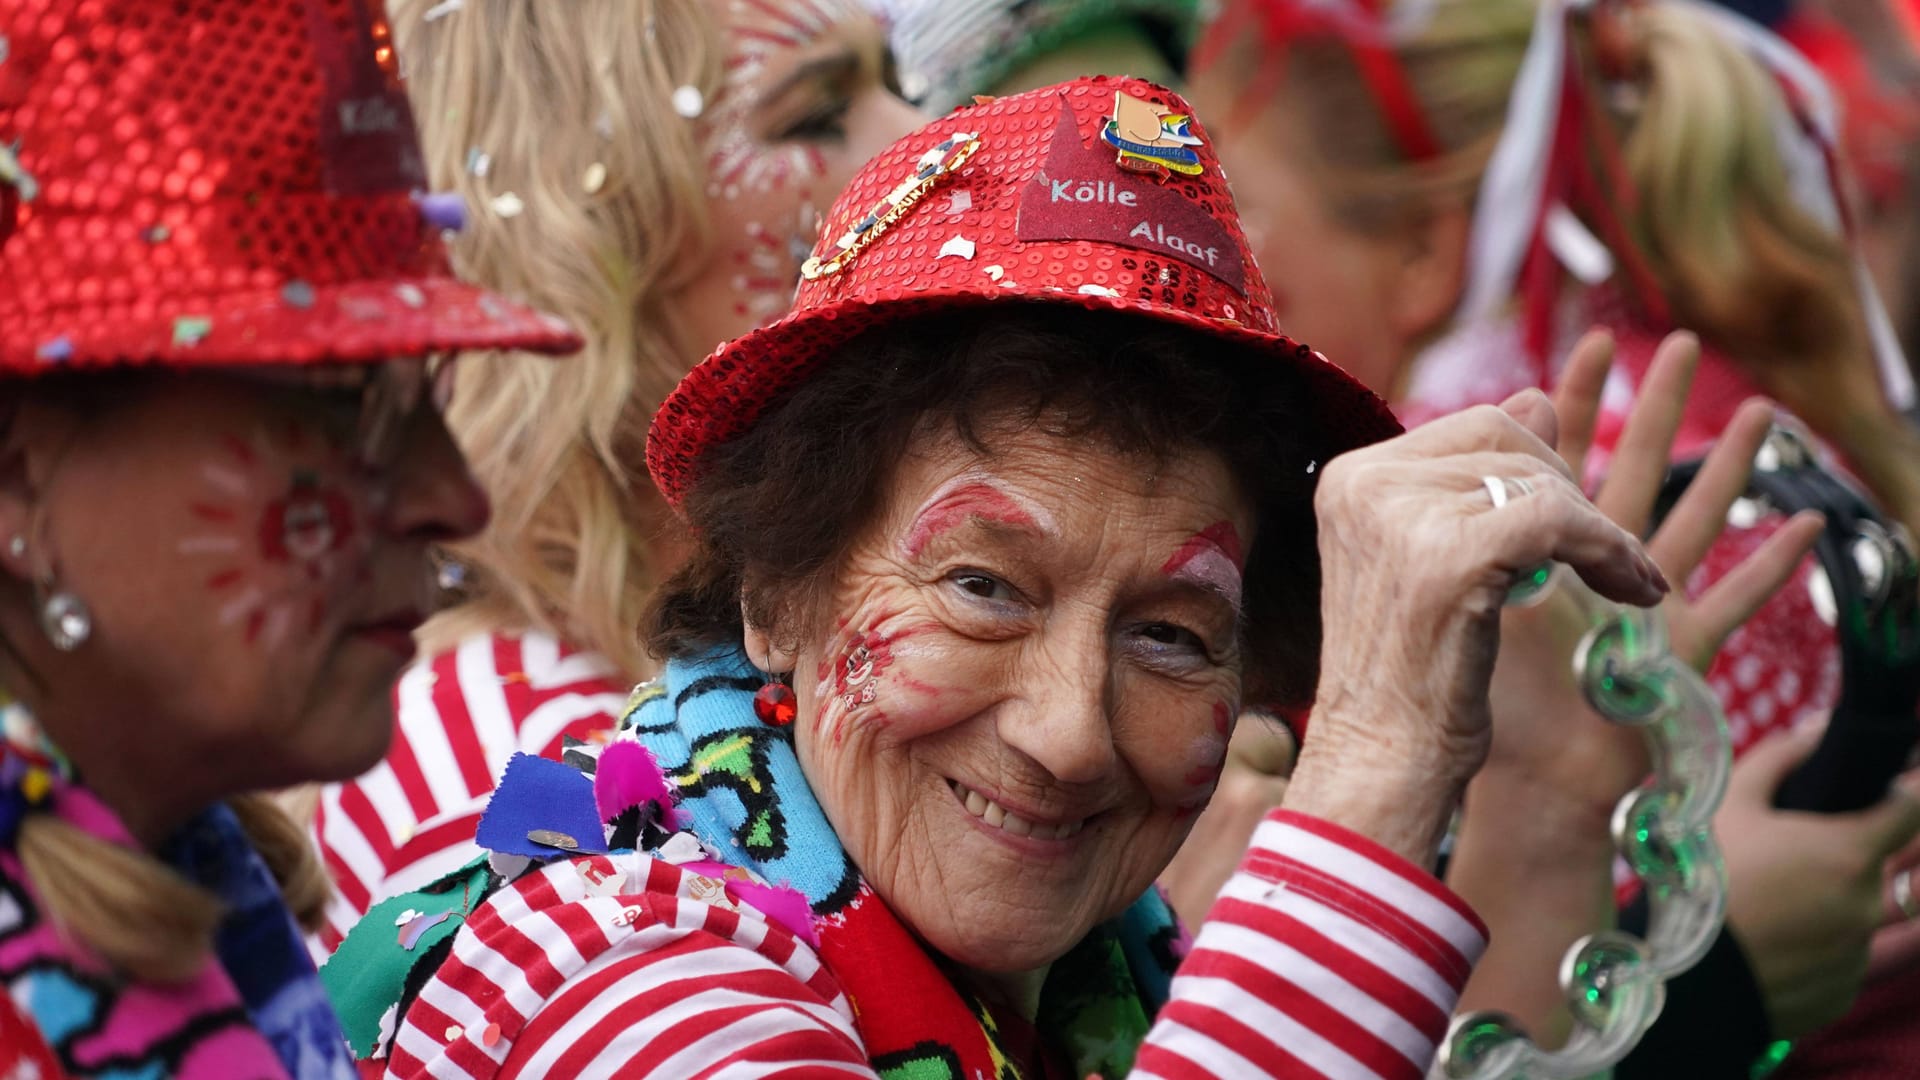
<point>1023,684</point>
<point>807,100</point>
<point>253,584</point>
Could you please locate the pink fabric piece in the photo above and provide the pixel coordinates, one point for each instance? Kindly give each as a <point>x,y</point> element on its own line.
<point>627,776</point>
<point>784,906</point>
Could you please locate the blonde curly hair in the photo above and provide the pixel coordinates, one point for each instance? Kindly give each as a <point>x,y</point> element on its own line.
<point>586,198</point>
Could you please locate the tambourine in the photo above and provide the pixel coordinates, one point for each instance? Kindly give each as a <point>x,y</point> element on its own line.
<point>1867,587</point>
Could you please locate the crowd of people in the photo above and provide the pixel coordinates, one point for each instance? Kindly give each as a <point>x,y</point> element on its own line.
<point>935,539</point>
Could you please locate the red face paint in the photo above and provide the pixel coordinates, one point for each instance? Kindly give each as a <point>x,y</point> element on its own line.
<point>850,681</point>
<point>1212,559</point>
<point>285,529</point>
<point>1210,751</point>
<point>971,501</point>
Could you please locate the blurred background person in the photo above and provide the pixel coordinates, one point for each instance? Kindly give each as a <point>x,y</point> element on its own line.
<point>950,51</point>
<point>222,463</point>
<point>654,172</point>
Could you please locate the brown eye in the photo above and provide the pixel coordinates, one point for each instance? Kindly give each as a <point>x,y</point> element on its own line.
<point>829,122</point>
<point>984,586</point>
<point>1169,634</point>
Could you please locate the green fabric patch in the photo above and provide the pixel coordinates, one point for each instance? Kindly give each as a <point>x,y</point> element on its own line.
<point>367,974</point>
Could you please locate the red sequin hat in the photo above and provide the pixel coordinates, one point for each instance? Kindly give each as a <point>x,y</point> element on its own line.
<point>1102,193</point>
<point>196,182</point>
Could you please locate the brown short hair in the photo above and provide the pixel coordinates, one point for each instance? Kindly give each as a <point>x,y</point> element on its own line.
<point>774,511</point>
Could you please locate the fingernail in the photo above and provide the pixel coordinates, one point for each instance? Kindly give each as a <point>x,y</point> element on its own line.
<point>1659,579</point>
<point>1650,573</point>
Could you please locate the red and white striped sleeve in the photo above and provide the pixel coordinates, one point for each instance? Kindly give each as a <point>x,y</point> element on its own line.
<point>1326,956</point>
<point>550,978</point>
<point>458,717</point>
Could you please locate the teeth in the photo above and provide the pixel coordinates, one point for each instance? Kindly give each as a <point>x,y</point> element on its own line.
<point>999,816</point>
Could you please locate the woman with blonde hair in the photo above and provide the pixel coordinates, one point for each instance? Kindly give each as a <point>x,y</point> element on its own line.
<point>651,171</point>
<point>222,465</point>
<point>1478,180</point>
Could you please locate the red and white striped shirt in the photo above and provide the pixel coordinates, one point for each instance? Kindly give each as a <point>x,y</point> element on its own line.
<point>1326,955</point>
<point>458,717</point>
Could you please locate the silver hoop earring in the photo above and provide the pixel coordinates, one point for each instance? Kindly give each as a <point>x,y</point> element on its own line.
<point>64,617</point>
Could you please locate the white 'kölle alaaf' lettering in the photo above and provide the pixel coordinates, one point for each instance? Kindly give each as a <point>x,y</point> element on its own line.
<point>1146,230</point>
<point>1091,191</point>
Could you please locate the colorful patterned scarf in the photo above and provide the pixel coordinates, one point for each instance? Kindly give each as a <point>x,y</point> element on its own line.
<point>740,790</point>
<point>255,1010</point>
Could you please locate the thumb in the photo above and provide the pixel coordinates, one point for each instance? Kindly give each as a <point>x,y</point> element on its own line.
<point>1894,821</point>
<point>1760,771</point>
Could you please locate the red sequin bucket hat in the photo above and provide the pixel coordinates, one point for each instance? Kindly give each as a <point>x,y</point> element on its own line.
<point>1102,193</point>
<point>201,182</point>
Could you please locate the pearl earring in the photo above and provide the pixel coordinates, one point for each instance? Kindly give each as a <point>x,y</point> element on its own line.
<point>64,617</point>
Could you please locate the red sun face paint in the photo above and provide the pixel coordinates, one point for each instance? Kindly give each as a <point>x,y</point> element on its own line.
<point>963,501</point>
<point>282,530</point>
<point>307,524</point>
<point>1210,558</point>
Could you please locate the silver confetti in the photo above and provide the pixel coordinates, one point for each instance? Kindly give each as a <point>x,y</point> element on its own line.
<point>479,162</point>
<point>297,294</point>
<point>507,204</point>
<point>959,246</point>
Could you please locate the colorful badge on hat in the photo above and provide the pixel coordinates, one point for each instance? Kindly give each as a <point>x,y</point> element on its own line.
<point>1151,139</point>
<point>935,164</point>
<point>1078,195</point>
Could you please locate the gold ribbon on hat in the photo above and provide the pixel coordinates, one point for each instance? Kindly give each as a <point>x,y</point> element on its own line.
<point>934,165</point>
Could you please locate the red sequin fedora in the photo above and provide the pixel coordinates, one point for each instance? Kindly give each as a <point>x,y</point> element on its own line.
<point>201,182</point>
<point>1103,193</point>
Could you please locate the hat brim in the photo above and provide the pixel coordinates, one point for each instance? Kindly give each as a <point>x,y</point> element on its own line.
<point>354,322</point>
<point>747,378</point>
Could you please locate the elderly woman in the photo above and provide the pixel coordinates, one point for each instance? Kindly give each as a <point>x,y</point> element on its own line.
<point>654,173</point>
<point>223,466</point>
<point>996,534</point>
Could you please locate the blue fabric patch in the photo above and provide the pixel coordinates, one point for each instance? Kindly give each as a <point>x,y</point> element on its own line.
<point>61,1006</point>
<point>538,793</point>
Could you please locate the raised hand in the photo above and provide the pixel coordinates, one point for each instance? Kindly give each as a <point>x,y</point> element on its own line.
<point>1416,562</point>
<point>1806,891</point>
<point>1534,852</point>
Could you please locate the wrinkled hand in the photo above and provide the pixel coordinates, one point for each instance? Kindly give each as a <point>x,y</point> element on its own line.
<point>1806,892</point>
<point>1415,568</point>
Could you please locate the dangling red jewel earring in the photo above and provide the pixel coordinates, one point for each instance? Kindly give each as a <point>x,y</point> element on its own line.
<point>775,704</point>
